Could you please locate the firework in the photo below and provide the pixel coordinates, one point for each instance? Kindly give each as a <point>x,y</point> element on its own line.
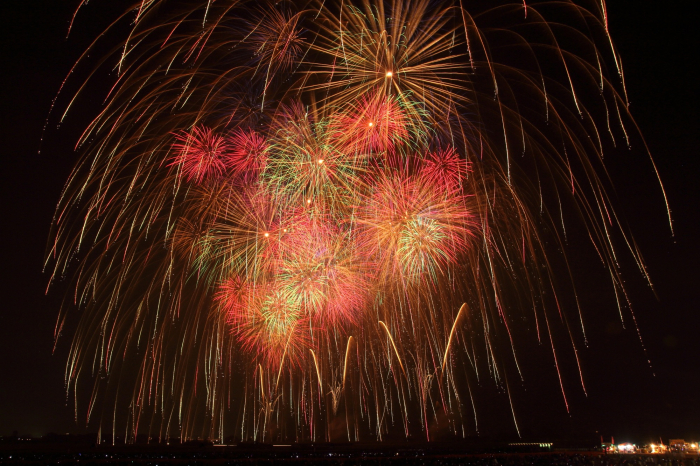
<point>293,213</point>
<point>200,154</point>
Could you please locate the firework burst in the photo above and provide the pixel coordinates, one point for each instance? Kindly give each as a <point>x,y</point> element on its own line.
<point>318,213</point>
<point>200,154</point>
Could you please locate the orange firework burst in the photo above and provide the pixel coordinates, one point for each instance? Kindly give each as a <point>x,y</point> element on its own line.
<point>248,155</point>
<point>376,125</point>
<point>414,226</point>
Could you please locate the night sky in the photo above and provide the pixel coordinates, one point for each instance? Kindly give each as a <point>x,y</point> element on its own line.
<point>626,397</point>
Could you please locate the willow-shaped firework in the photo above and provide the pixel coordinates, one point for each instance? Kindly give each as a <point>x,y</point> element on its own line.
<point>289,213</point>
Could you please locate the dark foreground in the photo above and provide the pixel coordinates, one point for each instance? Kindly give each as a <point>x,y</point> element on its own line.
<point>319,456</point>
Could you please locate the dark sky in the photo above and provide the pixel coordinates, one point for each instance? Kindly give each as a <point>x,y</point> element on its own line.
<point>626,398</point>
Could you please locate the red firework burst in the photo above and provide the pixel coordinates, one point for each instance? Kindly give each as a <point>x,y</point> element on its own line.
<point>248,155</point>
<point>200,154</point>
<point>445,167</point>
<point>232,295</point>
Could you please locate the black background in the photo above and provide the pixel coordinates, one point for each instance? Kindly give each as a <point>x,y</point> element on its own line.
<point>627,397</point>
